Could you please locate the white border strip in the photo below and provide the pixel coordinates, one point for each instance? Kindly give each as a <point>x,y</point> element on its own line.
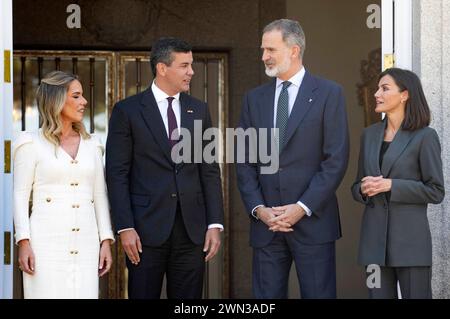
<point>403,34</point>
<point>6,106</point>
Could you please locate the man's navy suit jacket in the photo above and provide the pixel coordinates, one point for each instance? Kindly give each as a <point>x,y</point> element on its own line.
<point>311,164</point>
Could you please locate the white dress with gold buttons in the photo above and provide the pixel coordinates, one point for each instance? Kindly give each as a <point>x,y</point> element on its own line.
<point>69,216</point>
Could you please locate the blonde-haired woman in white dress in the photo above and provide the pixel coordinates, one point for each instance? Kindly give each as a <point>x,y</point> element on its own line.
<point>64,245</point>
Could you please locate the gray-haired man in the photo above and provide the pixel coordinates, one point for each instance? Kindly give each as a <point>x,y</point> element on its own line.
<point>294,212</point>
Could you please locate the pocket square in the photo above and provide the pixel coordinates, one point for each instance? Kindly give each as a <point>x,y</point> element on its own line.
<point>310,100</point>
<point>190,111</point>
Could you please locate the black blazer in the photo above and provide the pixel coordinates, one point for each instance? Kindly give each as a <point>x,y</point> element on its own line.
<point>396,233</point>
<point>144,185</point>
<point>312,163</point>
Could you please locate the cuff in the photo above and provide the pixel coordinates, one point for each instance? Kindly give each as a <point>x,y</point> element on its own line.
<point>107,235</point>
<point>364,198</point>
<point>253,213</point>
<point>21,236</point>
<point>119,231</point>
<point>220,226</point>
<point>305,208</point>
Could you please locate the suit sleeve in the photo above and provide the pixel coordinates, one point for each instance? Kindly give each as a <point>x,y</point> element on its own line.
<point>356,187</point>
<point>119,150</point>
<point>431,188</point>
<point>211,183</point>
<point>335,154</point>
<point>247,172</point>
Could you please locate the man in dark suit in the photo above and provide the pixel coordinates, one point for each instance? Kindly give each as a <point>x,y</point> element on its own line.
<point>294,212</point>
<point>168,214</point>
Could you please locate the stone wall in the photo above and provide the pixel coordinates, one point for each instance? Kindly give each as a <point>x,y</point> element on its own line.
<point>431,61</point>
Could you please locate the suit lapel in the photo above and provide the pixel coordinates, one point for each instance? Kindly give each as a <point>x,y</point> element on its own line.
<point>154,121</point>
<point>303,102</point>
<point>267,112</point>
<point>267,106</point>
<point>186,114</point>
<point>398,145</point>
<point>373,156</point>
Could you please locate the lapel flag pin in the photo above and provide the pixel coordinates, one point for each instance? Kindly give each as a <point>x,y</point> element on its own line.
<point>310,100</point>
<point>190,111</point>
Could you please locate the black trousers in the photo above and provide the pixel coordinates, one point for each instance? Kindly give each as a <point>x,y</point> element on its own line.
<point>178,258</point>
<point>415,283</point>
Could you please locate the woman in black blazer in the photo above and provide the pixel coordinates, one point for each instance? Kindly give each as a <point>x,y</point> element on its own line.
<point>399,174</point>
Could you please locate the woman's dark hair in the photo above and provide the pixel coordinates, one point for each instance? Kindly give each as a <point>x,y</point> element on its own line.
<point>417,112</point>
<point>163,48</point>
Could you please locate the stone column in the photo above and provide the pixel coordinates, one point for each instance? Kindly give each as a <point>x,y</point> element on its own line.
<point>431,61</point>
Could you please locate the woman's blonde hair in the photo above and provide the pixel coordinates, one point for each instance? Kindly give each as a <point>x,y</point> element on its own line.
<point>51,96</point>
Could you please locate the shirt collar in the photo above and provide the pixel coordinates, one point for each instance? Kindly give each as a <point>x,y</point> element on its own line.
<point>296,79</point>
<point>160,95</point>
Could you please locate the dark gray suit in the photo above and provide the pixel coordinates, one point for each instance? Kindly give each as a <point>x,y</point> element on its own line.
<point>395,230</point>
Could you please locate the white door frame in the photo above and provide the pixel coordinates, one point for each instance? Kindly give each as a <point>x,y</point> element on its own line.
<point>396,32</point>
<point>6,107</point>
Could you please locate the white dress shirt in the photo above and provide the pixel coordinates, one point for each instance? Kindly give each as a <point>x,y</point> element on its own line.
<point>293,89</point>
<point>163,105</point>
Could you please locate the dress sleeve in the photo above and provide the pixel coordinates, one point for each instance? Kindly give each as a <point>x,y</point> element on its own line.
<point>24,159</point>
<point>100,195</point>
